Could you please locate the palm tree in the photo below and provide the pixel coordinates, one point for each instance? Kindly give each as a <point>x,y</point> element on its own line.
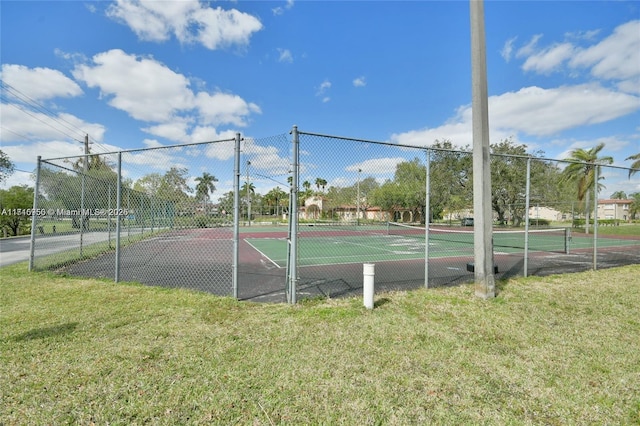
<point>635,165</point>
<point>243,190</point>
<point>619,195</point>
<point>320,183</point>
<point>583,171</point>
<point>204,186</point>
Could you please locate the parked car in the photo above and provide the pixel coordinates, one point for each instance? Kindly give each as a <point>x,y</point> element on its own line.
<point>467,221</point>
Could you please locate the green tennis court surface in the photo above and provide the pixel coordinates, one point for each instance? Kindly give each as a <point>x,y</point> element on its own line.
<point>334,247</point>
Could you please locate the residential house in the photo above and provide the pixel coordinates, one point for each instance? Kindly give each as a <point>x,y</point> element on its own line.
<point>614,209</point>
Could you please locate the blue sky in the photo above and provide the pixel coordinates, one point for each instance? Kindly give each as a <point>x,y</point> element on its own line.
<point>561,75</point>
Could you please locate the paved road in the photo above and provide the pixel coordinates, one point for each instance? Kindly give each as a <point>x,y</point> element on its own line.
<point>14,250</point>
<point>17,249</point>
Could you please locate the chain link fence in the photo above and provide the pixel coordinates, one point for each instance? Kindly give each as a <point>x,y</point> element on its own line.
<point>295,216</point>
<point>409,211</point>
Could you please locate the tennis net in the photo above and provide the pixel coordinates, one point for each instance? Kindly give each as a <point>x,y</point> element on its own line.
<point>550,239</point>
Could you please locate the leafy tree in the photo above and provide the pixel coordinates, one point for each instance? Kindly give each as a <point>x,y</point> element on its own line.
<point>73,188</point>
<point>388,196</point>
<point>204,187</point>
<point>347,196</point>
<point>174,185</point>
<point>16,197</point>
<point>405,192</point>
<point>450,180</point>
<point>274,199</point>
<point>634,208</point>
<point>635,165</point>
<point>509,178</point>
<point>149,184</point>
<point>6,166</point>
<point>225,203</point>
<point>582,173</point>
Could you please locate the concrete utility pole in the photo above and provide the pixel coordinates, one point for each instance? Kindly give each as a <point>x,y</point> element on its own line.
<point>86,152</point>
<point>483,231</point>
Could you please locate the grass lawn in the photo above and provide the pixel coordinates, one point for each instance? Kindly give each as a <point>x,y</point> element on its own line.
<point>550,350</point>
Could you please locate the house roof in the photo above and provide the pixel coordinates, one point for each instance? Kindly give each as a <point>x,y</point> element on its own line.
<point>615,201</point>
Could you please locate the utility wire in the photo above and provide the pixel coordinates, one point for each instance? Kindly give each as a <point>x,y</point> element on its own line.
<point>16,133</point>
<point>41,108</point>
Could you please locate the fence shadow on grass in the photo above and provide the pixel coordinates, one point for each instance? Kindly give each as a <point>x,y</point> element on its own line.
<point>46,332</point>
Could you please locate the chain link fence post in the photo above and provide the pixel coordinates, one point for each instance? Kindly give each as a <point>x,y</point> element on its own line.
<point>293,218</point>
<point>119,211</point>
<point>34,217</point>
<point>236,214</point>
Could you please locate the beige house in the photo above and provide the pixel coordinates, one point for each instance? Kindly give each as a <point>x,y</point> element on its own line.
<point>614,209</point>
<point>547,213</point>
<point>315,206</point>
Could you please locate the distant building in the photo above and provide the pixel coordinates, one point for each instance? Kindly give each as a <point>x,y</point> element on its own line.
<point>614,209</point>
<point>316,207</point>
<point>547,213</point>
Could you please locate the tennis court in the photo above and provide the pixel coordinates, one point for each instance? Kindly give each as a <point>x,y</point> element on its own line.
<point>334,244</point>
<point>330,258</point>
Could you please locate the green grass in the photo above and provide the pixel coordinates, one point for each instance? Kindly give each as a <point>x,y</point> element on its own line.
<point>623,229</point>
<point>553,350</point>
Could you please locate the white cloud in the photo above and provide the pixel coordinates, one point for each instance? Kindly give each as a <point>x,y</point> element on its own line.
<point>285,55</point>
<point>543,112</point>
<point>549,59</point>
<point>155,159</point>
<point>149,91</point>
<point>617,57</point>
<point>20,123</point>
<point>188,20</point>
<point>582,35</point>
<point>267,159</point>
<point>28,152</point>
<point>281,9</point>
<point>175,130</point>
<point>143,87</point>
<point>377,166</point>
<point>532,111</point>
<point>507,49</point>
<point>324,86</point>
<point>360,81</point>
<point>631,85</point>
<point>38,83</point>
<point>530,47</point>
<point>208,133</point>
<point>224,108</point>
<point>322,90</point>
<point>19,178</point>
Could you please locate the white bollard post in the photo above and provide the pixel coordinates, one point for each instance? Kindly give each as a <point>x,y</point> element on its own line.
<point>368,272</point>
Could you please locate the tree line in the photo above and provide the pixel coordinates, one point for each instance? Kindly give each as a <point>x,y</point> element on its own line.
<point>567,189</point>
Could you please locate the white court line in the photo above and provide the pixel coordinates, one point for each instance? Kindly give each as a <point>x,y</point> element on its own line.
<point>263,255</point>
